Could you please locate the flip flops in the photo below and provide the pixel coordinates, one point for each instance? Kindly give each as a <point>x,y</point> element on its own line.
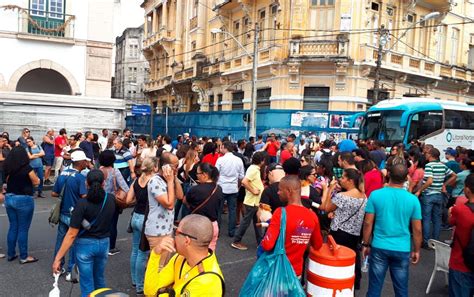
<point>26,261</point>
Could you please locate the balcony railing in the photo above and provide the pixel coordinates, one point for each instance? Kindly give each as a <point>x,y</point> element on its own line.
<point>47,24</point>
<point>318,48</point>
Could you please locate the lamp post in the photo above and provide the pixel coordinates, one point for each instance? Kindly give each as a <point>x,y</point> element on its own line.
<point>383,38</point>
<point>253,103</point>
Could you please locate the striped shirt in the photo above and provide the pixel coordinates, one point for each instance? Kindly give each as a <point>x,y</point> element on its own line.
<point>122,156</point>
<point>439,172</point>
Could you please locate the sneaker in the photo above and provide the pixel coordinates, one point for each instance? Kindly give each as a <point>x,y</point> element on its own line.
<point>2,256</point>
<point>114,252</point>
<point>40,195</point>
<point>47,182</point>
<point>239,246</point>
<point>68,277</point>
<point>448,241</point>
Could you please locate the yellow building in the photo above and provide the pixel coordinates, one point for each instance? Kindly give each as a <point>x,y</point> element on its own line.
<point>312,54</point>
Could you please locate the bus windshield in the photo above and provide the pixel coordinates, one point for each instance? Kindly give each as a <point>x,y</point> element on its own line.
<point>384,126</point>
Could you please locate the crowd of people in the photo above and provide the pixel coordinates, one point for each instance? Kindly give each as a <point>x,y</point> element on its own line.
<point>383,205</point>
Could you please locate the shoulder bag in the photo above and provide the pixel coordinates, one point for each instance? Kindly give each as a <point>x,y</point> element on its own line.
<point>272,274</point>
<point>120,195</point>
<point>55,212</point>
<point>205,201</point>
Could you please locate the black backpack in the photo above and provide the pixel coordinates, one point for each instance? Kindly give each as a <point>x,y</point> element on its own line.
<point>468,252</point>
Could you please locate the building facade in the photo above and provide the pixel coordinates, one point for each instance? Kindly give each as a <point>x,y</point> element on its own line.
<point>312,54</point>
<point>56,57</point>
<point>131,68</point>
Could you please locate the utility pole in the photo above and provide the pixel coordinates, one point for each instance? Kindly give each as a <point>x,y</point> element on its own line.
<point>382,40</point>
<point>253,106</point>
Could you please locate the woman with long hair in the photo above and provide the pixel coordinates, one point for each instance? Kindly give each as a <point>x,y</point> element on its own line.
<point>113,181</point>
<point>188,177</point>
<point>36,153</point>
<point>373,178</point>
<point>209,153</point>
<point>21,179</point>
<point>89,231</point>
<point>416,171</point>
<point>307,176</point>
<point>349,210</point>
<point>204,198</point>
<point>139,194</point>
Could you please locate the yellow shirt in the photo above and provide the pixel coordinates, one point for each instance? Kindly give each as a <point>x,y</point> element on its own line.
<point>204,279</point>
<point>253,175</point>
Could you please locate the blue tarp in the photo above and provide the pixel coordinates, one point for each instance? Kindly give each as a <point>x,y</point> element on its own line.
<point>224,123</point>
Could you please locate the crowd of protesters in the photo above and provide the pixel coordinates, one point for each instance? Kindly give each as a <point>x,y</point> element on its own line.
<point>383,205</point>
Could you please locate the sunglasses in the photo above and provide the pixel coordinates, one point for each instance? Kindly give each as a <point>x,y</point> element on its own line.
<point>177,232</point>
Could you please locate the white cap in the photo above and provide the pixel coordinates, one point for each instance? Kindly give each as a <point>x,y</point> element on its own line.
<point>186,134</point>
<point>79,156</point>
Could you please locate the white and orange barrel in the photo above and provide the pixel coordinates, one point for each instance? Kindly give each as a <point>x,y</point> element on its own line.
<point>330,271</point>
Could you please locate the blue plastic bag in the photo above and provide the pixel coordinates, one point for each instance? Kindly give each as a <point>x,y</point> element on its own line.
<point>272,275</point>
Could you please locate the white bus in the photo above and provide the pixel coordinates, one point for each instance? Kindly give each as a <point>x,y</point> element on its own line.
<point>438,122</point>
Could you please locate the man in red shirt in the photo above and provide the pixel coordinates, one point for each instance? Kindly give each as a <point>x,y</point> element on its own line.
<point>287,152</point>
<point>59,143</point>
<point>461,279</point>
<point>302,225</point>
<point>271,147</point>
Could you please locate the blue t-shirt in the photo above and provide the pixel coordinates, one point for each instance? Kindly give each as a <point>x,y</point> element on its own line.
<point>393,208</point>
<point>75,188</point>
<point>86,146</point>
<point>38,162</point>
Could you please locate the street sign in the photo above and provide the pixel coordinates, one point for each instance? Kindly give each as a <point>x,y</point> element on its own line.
<point>141,109</point>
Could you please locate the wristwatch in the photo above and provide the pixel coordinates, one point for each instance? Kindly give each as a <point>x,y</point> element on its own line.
<point>365,244</point>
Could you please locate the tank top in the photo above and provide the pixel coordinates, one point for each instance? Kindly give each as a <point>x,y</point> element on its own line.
<point>141,195</point>
<point>48,147</point>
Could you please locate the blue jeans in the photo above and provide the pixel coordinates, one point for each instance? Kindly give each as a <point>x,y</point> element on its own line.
<point>40,174</point>
<point>91,257</point>
<point>379,261</point>
<point>431,211</point>
<point>232,205</point>
<point>20,213</point>
<point>461,284</point>
<point>63,226</point>
<point>138,259</point>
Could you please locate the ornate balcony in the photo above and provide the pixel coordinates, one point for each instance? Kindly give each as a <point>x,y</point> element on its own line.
<point>442,6</point>
<point>319,49</point>
<point>159,37</point>
<point>45,25</point>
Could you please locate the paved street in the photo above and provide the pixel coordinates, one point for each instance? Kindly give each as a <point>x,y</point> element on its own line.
<point>35,279</point>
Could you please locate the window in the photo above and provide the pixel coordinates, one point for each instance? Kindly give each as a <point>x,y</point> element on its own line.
<point>316,98</point>
<point>56,9</point>
<point>219,102</point>
<point>383,95</point>
<point>458,119</point>
<point>470,58</point>
<point>321,17</point>
<point>375,6</point>
<point>237,98</point>
<point>38,7</point>
<point>390,11</point>
<point>263,98</point>
<point>261,25</point>
<point>211,102</point>
<point>454,46</point>
<point>410,18</point>
<point>425,123</point>
<point>236,32</point>
<point>441,44</point>
<point>410,37</point>
<point>195,7</point>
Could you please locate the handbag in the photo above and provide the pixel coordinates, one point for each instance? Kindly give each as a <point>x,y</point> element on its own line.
<point>120,195</point>
<point>205,201</point>
<point>55,212</point>
<point>272,274</point>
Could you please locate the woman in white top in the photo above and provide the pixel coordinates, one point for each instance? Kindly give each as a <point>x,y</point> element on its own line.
<point>349,209</point>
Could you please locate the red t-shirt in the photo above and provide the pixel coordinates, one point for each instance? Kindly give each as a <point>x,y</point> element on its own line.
<point>210,159</point>
<point>59,141</point>
<point>285,155</point>
<point>463,219</point>
<point>302,227</point>
<point>272,148</point>
<point>373,180</point>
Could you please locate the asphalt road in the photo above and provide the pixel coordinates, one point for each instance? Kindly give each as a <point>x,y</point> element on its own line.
<point>36,279</point>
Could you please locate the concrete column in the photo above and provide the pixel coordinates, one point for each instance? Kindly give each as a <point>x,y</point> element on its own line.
<point>202,17</point>
<point>154,23</point>
<point>178,29</point>
<point>165,14</point>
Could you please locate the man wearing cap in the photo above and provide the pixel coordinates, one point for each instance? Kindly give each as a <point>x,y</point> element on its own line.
<point>74,185</point>
<point>451,163</point>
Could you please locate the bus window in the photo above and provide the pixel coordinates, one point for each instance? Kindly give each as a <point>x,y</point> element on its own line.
<point>425,123</point>
<point>458,119</point>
